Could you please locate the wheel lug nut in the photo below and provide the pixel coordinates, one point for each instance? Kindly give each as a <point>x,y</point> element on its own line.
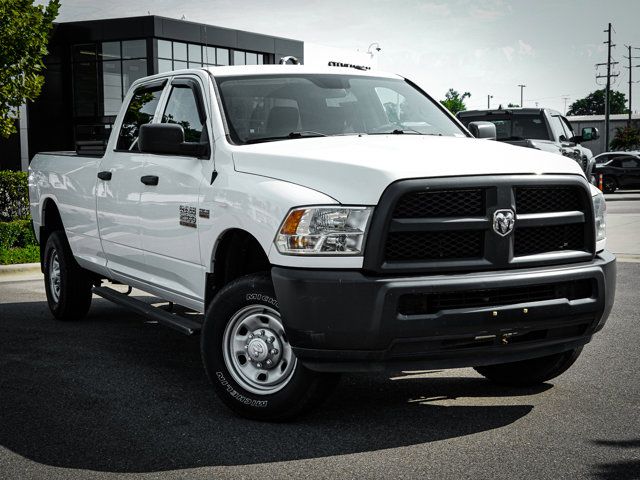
<point>259,365</point>
<point>262,333</point>
<point>274,351</point>
<point>271,339</point>
<point>246,347</point>
<point>268,362</point>
<point>251,335</point>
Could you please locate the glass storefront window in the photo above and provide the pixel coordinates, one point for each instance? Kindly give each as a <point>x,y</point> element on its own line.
<point>238,58</point>
<point>179,51</point>
<point>164,65</point>
<point>111,86</point>
<point>252,58</point>
<point>134,49</point>
<point>210,55</point>
<point>84,53</point>
<point>222,56</point>
<point>164,49</point>
<point>132,70</point>
<point>195,54</point>
<point>178,65</point>
<point>110,51</point>
<point>260,59</point>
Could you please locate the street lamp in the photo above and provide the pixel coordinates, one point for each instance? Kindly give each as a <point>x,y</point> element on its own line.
<point>489,97</point>
<point>377,47</point>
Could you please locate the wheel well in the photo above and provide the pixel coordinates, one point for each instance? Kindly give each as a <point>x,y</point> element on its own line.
<point>50,222</point>
<point>238,253</point>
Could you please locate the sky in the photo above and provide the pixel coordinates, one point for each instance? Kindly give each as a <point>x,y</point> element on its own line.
<point>485,47</point>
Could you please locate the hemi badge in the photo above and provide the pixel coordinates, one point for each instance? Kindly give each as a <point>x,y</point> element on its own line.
<point>204,213</point>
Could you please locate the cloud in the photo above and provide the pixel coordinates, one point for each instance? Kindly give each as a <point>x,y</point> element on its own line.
<point>526,49</point>
<point>508,52</point>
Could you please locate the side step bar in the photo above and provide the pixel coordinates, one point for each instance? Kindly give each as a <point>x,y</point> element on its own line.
<point>181,324</point>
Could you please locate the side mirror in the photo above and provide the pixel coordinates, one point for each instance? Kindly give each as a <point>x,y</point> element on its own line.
<point>486,130</point>
<point>168,138</point>
<point>590,133</point>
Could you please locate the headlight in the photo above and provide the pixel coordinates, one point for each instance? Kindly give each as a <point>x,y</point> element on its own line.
<point>599,209</point>
<point>324,231</point>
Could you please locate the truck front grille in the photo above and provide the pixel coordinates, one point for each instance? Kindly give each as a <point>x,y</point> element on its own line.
<point>442,225</point>
<point>431,303</point>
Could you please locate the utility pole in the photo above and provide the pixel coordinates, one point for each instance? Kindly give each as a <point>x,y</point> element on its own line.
<point>631,67</point>
<point>489,97</point>
<point>565,98</point>
<point>607,91</point>
<point>522,95</point>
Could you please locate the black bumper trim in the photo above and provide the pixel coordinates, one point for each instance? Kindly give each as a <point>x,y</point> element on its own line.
<point>340,320</point>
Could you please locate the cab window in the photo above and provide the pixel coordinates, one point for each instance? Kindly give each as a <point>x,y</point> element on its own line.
<point>140,111</point>
<point>182,109</point>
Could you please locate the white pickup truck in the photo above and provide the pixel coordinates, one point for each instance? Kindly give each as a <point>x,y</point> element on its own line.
<point>324,221</point>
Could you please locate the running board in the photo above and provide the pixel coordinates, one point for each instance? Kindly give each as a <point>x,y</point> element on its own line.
<point>181,324</point>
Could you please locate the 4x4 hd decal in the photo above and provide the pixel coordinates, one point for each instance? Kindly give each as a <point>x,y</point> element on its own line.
<point>187,216</point>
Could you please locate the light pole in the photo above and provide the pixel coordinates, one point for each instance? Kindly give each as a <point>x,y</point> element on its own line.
<point>522,95</point>
<point>489,97</point>
<point>378,48</point>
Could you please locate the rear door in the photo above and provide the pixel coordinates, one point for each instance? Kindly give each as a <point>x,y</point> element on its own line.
<point>169,210</point>
<point>118,191</point>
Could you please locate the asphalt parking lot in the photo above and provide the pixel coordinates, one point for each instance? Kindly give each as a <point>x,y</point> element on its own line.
<point>115,397</point>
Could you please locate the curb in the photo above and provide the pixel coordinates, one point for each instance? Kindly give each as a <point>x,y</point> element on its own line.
<point>627,257</point>
<point>19,268</point>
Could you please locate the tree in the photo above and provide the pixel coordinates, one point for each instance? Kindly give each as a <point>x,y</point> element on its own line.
<point>627,138</point>
<point>24,34</point>
<point>593,104</point>
<point>454,102</point>
<point>513,105</point>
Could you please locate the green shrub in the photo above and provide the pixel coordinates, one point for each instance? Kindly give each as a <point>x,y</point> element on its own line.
<point>14,196</point>
<point>16,234</point>
<point>11,256</point>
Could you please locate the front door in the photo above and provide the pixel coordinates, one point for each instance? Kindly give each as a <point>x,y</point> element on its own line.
<point>169,210</point>
<point>119,188</point>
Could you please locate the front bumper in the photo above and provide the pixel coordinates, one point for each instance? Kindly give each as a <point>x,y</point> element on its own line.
<point>348,321</point>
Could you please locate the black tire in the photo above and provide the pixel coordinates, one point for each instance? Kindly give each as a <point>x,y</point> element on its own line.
<point>302,389</point>
<point>610,184</point>
<point>72,298</point>
<point>532,372</point>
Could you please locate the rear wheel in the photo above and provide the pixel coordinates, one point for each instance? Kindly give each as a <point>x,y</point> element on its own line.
<point>67,285</point>
<point>531,372</point>
<point>610,184</point>
<point>248,357</point>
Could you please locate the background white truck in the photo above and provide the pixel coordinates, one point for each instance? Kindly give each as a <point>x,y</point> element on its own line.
<point>326,220</point>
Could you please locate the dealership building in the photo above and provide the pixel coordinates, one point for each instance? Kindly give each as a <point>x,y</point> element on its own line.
<point>91,65</point>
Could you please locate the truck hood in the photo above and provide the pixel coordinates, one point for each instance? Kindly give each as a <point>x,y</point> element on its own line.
<point>356,169</point>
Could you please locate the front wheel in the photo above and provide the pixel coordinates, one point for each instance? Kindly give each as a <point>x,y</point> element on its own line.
<point>248,358</point>
<point>67,285</point>
<point>527,373</point>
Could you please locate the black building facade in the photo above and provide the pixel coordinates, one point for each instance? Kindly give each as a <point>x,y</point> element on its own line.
<point>91,65</point>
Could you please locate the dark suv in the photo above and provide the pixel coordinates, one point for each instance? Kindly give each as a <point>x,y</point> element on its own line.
<point>539,128</point>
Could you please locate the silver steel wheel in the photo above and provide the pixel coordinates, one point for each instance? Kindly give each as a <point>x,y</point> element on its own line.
<point>256,351</point>
<point>54,276</point>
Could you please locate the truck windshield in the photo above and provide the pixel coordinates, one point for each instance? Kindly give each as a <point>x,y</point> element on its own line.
<point>514,126</point>
<point>277,107</point>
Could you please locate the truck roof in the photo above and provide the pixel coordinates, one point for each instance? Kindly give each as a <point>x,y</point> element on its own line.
<point>293,69</point>
<point>498,111</point>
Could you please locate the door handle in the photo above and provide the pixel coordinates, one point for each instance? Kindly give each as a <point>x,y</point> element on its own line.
<point>149,179</point>
<point>106,176</point>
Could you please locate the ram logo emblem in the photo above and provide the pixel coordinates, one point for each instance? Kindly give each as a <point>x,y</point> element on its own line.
<point>503,222</point>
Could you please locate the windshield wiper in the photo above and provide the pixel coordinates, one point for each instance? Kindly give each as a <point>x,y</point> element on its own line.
<point>290,135</point>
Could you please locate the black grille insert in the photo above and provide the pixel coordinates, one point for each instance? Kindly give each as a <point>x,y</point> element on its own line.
<point>547,199</point>
<point>441,203</point>
<point>431,303</point>
<point>533,240</point>
<point>434,245</point>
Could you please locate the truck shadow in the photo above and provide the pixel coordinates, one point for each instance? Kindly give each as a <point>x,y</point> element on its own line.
<point>112,393</point>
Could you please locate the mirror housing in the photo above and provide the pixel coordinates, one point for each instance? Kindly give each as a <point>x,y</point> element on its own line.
<point>486,130</point>
<point>587,134</point>
<point>168,138</point>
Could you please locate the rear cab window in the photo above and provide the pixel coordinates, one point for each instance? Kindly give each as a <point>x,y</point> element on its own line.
<point>140,111</point>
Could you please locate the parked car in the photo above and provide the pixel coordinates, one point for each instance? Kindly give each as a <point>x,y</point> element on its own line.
<point>620,170</point>
<point>540,128</point>
<point>324,221</point>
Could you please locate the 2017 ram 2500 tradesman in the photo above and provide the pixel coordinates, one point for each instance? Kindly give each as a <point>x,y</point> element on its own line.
<point>326,220</point>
